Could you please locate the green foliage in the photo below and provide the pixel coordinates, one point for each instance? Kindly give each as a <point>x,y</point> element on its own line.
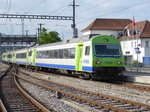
<point>134,63</point>
<point>49,37</point>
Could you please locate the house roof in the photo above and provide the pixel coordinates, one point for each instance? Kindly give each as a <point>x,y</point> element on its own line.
<point>108,24</point>
<point>142,26</point>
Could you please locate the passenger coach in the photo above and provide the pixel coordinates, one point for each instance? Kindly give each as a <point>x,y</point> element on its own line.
<point>87,57</point>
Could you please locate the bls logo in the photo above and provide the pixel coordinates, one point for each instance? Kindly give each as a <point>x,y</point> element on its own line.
<point>86,61</point>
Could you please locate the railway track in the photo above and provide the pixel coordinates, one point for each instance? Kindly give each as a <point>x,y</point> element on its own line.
<point>140,87</point>
<point>93,99</point>
<point>137,86</point>
<point>14,98</point>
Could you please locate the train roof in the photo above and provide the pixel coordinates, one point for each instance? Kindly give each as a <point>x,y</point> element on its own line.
<point>73,40</point>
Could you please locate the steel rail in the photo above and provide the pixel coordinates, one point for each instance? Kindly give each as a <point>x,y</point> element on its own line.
<point>92,93</point>
<point>77,97</point>
<point>90,101</point>
<point>139,87</point>
<point>36,103</point>
<point>130,86</point>
<point>2,107</point>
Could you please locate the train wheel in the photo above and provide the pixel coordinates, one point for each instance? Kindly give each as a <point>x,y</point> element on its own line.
<point>86,76</point>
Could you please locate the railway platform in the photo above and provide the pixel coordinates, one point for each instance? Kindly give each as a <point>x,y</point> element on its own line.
<point>140,77</point>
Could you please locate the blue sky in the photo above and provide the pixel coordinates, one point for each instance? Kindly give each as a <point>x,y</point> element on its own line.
<point>86,12</point>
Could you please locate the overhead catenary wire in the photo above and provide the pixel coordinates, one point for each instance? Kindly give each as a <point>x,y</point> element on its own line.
<point>105,14</point>
<point>98,4</point>
<point>39,3</point>
<point>81,20</point>
<point>7,11</point>
<point>6,6</point>
<point>60,9</point>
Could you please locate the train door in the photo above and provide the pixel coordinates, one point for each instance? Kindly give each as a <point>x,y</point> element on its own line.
<point>79,57</point>
<point>33,56</point>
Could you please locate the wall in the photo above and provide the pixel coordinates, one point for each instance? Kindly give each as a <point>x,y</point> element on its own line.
<point>128,48</point>
<point>102,32</point>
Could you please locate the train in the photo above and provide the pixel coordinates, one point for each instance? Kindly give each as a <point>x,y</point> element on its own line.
<point>88,57</point>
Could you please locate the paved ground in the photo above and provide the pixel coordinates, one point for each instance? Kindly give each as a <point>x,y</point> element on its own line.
<point>140,69</point>
<point>142,76</point>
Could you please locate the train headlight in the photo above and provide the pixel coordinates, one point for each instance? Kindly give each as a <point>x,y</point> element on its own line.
<point>98,62</point>
<point>119,62</point>
<point>105,40</point>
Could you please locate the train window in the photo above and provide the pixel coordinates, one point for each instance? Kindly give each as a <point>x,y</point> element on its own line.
<point>51,54</point>
<point>55,53</point>
<point>60,53</point>
<point>46,54</point>
<point>87,50</point>
<point>107,50</point>
<point>66,53</point>
<point>30,53</point>
<point>9,55</point>
<point>72,52</point>
<point>17,55</point>
<point>38,54</point>
<point>21,55</point>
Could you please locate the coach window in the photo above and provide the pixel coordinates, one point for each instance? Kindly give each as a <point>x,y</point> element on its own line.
<point>66,53</point>
<point>72,52</point>
<point>51,54</point>
<point>37,54</point>
<point>60,53</point>
<point>18,56</point>
<point>47,54</point>
<point>23,55</point>
<point>55,53</point>
<point>9,56</point>
<point>43,54</point>
<point>87,50</point>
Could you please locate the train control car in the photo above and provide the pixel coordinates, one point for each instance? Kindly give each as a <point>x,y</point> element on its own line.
<point>87,57</point>
<point>5,57</point>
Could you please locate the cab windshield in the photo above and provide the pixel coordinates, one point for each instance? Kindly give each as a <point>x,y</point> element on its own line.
<point>105,50</point>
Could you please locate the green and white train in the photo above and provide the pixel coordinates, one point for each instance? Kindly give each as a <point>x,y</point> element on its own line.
<point>87,57</point>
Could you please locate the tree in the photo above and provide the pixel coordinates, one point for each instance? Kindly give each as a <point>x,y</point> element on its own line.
<point>49,37</point>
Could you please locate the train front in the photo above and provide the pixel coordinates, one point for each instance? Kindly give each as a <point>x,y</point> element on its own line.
<point>108,60</point>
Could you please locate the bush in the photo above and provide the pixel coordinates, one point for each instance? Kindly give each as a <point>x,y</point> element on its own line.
<point>134,63</point>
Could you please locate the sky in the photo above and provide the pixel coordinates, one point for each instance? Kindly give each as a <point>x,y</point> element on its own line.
<point>86,12</point>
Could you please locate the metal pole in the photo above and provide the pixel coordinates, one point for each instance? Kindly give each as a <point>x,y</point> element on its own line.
<point>137,37</point>
<point>74,25</point>
<point>75,32</point>
<point>22,22</point>
<point>0,47</point>
<point>137,51</point>
<point>39,30</point>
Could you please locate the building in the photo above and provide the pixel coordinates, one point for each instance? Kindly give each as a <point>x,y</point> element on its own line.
<point>11,42</point>
<point>136,42</point>
<point>112,27</point>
